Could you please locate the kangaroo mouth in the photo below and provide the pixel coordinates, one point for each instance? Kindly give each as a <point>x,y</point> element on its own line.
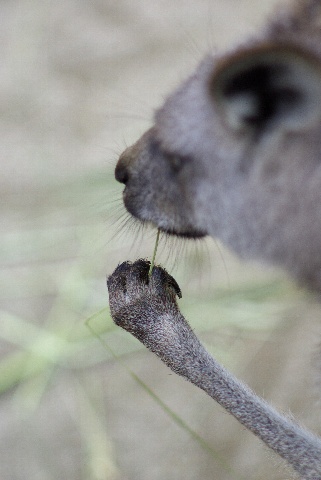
<point>192,234</point>
<point>159,221</point>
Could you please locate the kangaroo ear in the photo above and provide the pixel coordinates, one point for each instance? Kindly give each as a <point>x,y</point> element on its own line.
<point>268,87</point>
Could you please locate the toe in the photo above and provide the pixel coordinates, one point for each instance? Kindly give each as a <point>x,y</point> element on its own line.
<point>163,280</point>
<point>139,272</point>
<point>118,279</point>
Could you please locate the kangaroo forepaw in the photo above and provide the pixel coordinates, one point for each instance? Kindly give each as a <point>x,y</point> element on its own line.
<point>137,299</point>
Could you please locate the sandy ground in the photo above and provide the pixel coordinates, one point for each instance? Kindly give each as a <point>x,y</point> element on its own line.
<point>78,82</point>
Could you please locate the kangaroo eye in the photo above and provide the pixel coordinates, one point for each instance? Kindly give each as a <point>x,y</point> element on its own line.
<point>176,162</point>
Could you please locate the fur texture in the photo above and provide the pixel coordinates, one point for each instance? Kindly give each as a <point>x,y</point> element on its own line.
<point>146,307</point>
<point>235,152</point>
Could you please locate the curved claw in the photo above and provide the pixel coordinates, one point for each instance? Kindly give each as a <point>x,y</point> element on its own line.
<point>160,275</point>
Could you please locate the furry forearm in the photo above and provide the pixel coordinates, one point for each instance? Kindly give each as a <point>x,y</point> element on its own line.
<point>147,308</point>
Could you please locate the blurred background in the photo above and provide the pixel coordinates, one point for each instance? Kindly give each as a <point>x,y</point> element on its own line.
<point>79,81</point>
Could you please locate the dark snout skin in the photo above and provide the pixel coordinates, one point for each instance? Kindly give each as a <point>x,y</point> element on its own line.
<point>126,164</point>
<point>121,170</point>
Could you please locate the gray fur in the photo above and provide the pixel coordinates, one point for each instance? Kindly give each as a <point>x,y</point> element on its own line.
<point>235,152</point>
<point>147,309</point>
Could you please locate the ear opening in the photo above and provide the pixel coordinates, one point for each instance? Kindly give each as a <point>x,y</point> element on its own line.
<point>269,87</point>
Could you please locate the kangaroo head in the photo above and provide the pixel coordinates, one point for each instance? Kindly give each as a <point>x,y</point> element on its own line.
<point>235,152</point>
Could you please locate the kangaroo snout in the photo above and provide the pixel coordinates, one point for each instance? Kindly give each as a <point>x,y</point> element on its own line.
<point>122,170</point>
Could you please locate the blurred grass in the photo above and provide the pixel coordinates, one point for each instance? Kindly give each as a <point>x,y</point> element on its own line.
<point>66,67</point>
<point>55,253</point>
<point>59,256</point>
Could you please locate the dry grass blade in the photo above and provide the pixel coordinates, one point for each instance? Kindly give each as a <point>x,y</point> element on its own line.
<point>152,263</point>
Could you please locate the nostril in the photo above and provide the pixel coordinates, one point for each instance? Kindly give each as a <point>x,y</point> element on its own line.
<point>121,173</point>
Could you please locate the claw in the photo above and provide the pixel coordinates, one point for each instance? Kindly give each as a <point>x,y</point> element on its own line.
<point>166,279</point>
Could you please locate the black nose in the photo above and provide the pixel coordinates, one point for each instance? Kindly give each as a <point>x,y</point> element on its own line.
<point>121,172</point>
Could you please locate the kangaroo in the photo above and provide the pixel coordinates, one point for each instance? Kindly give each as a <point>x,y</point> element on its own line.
<point>234,153</point>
